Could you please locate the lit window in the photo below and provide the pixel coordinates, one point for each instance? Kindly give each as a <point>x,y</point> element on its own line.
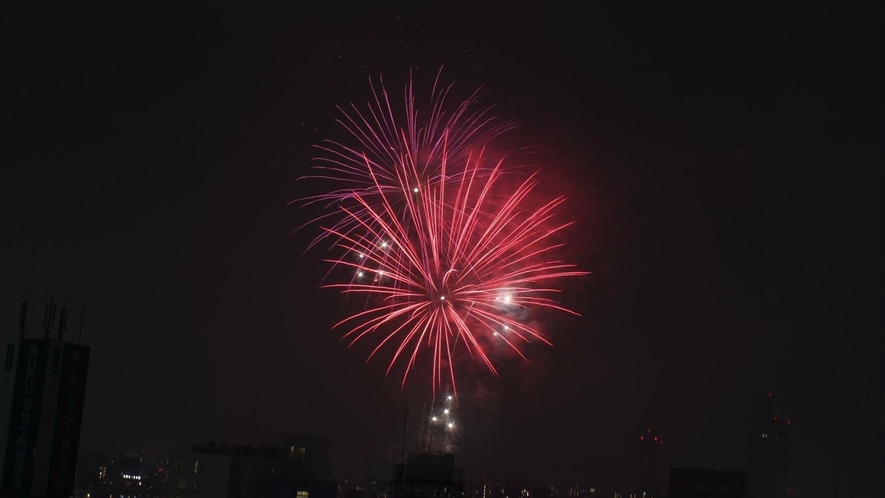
<point>301,494</point>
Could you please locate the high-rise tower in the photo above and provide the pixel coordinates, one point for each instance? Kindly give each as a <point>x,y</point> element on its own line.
<point>768,468</point>
<point>649,464</point>
<point>43,387</point>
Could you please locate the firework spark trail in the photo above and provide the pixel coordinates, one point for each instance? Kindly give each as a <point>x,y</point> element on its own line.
<point>442,251</point>
<point>452,266</point>
<point>385,144</point>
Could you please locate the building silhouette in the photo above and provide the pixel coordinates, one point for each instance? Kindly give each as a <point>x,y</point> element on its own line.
<point>298,469</point>
<point>769,465</point>
<point>136,474</point>
<point>649,465</point>
<point>707,483</point>
<point>41,410</point>
<point>428,475</point>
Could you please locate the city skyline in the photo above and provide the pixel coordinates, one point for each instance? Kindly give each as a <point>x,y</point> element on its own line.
<point>723,164</point>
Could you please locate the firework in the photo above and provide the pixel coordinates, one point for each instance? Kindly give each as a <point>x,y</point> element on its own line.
<point>453,265</point>
<point>439,430</point>
<point>384,136</point>
<point>447,251</point>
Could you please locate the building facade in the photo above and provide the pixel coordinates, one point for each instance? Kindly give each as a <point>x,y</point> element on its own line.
<point>297,469</point>
<point>428,475</point>
<point>43,390</point>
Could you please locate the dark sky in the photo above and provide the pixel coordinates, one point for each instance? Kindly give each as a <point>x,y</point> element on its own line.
<point>724,163</point>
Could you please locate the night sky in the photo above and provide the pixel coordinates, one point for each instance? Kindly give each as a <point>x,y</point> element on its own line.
<point>724,163</point>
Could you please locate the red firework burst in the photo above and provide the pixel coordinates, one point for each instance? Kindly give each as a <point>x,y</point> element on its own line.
<point>447,261</point>
<point>384,136</point>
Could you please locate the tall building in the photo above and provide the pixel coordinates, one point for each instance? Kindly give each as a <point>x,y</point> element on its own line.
<point>768,468</point>
<point>44,385</point>
<point>298,469</point>
<point>649,465</point>
<point>428,475</point>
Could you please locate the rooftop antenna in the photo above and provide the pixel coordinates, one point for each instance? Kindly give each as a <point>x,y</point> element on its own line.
<point>23,317</point>
<point>252,433</point>
<point>45,315</point>
<point>82,314</point>
<point>63,321</point>
<point>422,431</point>
<point>49,316</point>
<point>405,423</point>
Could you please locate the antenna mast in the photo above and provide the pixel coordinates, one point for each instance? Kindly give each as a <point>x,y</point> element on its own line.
<point>405,424</point>
<point>23,319</point>
<point>82,314</point>
<point>63,322</point>
<point>49,316</point>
